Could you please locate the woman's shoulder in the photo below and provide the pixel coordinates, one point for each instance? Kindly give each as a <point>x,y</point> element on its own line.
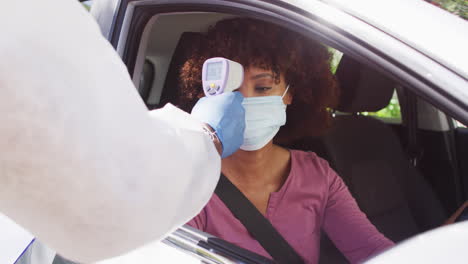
<point>312,168</point>
<point>217,211</point>
<point>311,174</point>
<point>309,160</point>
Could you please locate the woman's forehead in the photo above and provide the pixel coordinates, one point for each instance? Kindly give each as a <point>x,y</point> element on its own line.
<point>253,73</point>
<point>254,70</point>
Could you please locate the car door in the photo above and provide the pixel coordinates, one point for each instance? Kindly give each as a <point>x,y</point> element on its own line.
<point>405,49</point>
<point>362,31</point>
<point>461,142</point>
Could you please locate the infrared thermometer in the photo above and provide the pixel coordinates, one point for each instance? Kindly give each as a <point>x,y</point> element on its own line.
<point>220,75</point>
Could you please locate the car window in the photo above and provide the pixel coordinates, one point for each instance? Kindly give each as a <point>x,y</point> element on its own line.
<point>458,124</point>
<point>87,4</point>
<point>457,7</point>
<point>391,113</point>
<point>146,80</point>
<point>335,59</point>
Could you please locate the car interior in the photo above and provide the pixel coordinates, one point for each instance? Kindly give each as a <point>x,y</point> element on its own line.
<point>408,175</point>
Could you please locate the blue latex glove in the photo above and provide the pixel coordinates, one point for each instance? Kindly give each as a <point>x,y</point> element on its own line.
<point>226,115</point>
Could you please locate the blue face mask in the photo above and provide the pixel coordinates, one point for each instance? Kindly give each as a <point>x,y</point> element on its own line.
<point>264,115</point>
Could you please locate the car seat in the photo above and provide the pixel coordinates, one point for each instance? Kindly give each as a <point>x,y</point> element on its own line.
<point>369,157</point>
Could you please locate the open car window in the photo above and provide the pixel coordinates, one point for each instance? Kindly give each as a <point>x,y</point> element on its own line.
<point>159,46</point>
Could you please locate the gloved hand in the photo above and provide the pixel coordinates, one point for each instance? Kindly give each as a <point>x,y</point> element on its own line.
<point>226,115</point>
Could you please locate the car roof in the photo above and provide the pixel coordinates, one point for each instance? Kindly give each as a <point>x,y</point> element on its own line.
<point>427,28</point>
<point>431,30</point>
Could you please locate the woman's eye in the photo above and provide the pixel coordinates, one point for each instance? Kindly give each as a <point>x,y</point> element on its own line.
<point>262,89</point>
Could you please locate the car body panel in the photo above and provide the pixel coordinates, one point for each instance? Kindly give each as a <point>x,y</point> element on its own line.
<point>443,39</point>
<point>442,245</point>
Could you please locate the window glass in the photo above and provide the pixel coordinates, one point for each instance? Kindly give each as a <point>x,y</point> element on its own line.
<point>336,56</point>
<point>391,113</point>
<point>87,4</point>
<point>458,124</point>
<point>146,80</point>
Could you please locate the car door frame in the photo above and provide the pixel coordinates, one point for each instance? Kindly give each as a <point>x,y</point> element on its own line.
<point>122,22</point>
<point>359,39</point>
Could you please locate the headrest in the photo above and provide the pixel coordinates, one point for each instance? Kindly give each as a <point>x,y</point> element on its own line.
<point>362,89</point>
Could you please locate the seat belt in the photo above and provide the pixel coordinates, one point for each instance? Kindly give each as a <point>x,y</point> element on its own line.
<point>257,225</point>
<point>413,149</point>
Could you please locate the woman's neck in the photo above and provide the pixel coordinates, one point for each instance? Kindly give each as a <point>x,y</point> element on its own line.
<point>267,166</point>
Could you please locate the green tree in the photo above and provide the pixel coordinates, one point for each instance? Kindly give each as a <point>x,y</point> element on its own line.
<point>392,110</point>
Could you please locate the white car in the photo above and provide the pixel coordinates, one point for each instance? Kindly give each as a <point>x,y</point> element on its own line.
<point>413,170</point>
<point>408,171</point>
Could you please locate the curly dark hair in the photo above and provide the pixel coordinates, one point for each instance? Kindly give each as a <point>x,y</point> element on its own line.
<point>305,65</point>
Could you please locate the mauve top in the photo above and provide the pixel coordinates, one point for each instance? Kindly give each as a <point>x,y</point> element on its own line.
<point>312,198</point>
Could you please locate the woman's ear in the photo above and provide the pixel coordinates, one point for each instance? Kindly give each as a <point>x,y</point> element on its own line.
<point>287,99</point>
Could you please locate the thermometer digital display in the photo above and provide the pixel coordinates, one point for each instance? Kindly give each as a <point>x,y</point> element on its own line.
<point>220,75</point>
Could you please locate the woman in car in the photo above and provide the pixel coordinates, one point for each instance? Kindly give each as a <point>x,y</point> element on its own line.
<point>288,84</point>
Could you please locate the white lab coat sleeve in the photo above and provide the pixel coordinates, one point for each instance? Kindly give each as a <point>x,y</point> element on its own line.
<point>37,253</point>
<point>84,166</point>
